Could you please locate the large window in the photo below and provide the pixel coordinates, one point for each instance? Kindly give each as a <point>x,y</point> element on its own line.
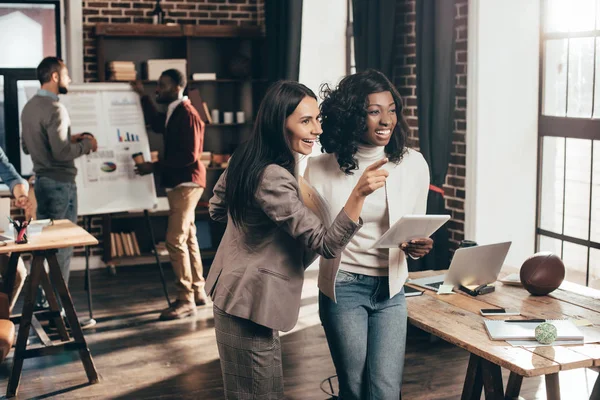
<point>29,31</point>
<point>568,222</point>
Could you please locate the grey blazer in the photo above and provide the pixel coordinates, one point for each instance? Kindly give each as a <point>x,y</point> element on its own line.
<point>258,271</point>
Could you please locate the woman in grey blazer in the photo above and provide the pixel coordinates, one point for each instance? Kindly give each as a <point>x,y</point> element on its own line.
<point>256,278</point>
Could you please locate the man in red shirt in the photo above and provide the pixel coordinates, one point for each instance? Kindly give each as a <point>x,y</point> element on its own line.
<point>184,177</point>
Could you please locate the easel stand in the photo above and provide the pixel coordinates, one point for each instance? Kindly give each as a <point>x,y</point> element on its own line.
<point>158,263</point>
<point>87,222</point>
<point>88,283</point>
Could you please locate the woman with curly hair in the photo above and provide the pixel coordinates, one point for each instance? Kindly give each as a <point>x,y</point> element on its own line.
<point>361,304</point>
<point>256,277</point>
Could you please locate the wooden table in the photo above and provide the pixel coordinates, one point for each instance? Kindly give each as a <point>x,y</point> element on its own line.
<point>456,319</point>
<point>60,234</point>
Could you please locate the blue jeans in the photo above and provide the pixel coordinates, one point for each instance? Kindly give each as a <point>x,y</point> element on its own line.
<point>366,333</point>
<point>57,200</point>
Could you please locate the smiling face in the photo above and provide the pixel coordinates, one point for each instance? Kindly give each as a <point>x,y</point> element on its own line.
<point>304,126</point>
<point>381,119</point>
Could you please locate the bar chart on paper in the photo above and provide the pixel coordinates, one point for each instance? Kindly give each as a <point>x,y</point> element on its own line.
<point>125,136</point>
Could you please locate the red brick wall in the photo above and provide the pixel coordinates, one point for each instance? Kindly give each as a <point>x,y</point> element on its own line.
<point>197,12</point>
<point>405,78</point>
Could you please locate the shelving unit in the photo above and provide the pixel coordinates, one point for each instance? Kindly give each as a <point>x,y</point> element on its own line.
<point>237,55</point>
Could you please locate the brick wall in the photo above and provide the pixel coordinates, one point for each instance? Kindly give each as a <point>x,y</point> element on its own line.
<point>200,12</point>
<point>197,12</point>
<point>405,78</point>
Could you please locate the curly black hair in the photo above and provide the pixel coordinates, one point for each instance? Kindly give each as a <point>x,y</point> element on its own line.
<point>344,112</point>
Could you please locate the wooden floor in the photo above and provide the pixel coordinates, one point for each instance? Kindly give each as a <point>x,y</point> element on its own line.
<point>141,358</point>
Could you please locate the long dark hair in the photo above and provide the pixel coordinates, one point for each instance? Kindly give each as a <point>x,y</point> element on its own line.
<point>344,112</point>
<point>268,144</point>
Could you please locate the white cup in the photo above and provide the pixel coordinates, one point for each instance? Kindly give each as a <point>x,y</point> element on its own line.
<point>214,114</point>
<point>240,117</point>
<point>228,117</point>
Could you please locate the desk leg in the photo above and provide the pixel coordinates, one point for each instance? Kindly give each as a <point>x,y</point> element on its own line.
<point>67,302</point>
<point>24,325</point>
<point>552,387</point>
<point>473,381</point>
<point>492,380</point>
<point>51,297</point>
<point>513,387</point>
<point>11,272</point>
<point>596,390</point>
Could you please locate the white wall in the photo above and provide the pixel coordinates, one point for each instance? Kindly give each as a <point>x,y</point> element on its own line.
<point>322,52</point>
<point>73,33</point>
<point>323,47</point>
<point>502,110</point>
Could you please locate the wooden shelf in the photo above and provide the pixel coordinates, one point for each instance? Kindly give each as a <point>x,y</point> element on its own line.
<point>228,125</point>
<point>232,80</point>
<point>209,49</point>
<point>151,259</point>
<point>165,213</point>
<point>224,80</point>
<point>182,31</point>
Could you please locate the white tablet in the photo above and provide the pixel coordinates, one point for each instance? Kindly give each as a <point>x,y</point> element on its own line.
<point>410,227</point>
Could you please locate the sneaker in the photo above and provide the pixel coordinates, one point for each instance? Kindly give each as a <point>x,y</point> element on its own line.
<point>201,298</point>
<point>179,309</point>
<point>87,323</point>
<point>41,302</point>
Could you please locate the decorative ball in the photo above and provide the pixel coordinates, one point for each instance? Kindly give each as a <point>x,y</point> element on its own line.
<point>542,273</point>
<point>545,333</point>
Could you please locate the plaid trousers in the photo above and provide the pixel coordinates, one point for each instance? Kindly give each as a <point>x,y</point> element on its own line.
<point>250,356</point>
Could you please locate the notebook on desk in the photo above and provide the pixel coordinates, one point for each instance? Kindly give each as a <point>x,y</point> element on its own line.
<point>501,330</point>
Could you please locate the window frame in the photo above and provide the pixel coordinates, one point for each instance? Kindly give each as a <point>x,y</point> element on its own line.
<point>12,75</point>
<point>567,128</point>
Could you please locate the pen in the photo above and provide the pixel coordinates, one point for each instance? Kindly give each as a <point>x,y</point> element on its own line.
<point>525,320</point>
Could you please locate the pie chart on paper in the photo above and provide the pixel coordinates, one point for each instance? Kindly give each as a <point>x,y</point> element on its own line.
<point>108,167</point>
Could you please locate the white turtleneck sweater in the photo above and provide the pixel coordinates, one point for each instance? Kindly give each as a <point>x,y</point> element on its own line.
<point>358,257</point>
<point>405,193</point>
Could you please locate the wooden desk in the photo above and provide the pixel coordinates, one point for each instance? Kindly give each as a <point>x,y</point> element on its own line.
<point>456,319</point>
<point>61,234</point>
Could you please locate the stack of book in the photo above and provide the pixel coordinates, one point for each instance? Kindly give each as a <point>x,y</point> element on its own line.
<point>122,71</point>
<point>124,244</point>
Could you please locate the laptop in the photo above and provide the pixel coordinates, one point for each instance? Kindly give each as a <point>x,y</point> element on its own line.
<point>477,265</point>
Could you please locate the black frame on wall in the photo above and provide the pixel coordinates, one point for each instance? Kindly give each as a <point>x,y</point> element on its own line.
<point>11,76</point>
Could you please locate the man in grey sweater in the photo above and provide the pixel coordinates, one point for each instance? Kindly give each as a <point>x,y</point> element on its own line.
<point>47,138</point>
